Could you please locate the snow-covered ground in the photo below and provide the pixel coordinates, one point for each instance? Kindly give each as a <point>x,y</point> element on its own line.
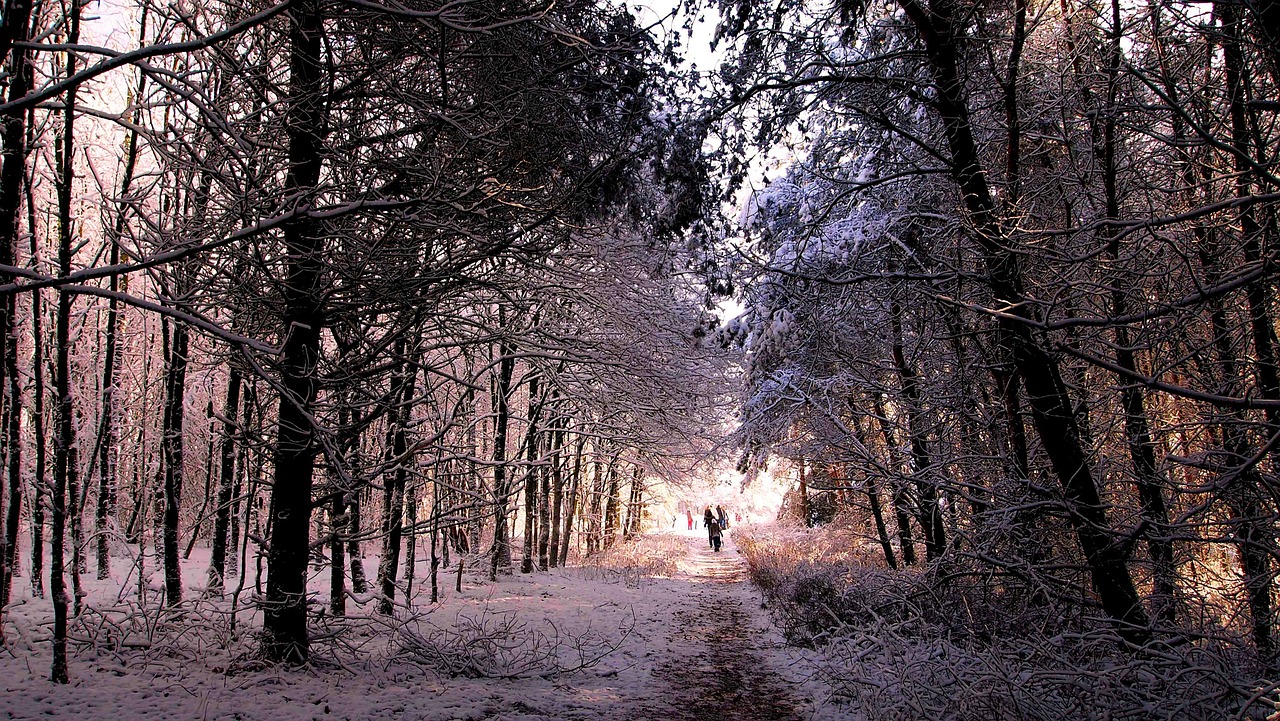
<point>522,641</point>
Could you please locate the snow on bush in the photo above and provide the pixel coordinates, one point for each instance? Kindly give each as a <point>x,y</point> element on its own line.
<point>906,645</point>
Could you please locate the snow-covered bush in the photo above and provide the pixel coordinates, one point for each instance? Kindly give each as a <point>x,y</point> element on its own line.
<point>905,645</point>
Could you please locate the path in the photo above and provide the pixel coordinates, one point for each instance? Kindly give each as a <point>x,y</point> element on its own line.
<point>719,668</point>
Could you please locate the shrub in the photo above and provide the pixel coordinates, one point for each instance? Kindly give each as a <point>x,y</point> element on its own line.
<point>944,644</point>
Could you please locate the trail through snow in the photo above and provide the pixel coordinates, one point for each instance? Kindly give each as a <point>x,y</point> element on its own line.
<point>718,666</point>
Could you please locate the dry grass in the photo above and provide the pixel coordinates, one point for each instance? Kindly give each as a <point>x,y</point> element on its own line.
<point>634,561</point>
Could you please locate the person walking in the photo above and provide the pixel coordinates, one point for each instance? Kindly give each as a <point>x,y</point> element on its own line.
<point>722,517</point>
<point>689,513</point>
<point>713,534</point>
<point>707,518</point>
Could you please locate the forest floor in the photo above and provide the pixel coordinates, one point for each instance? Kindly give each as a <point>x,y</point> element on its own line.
<point>663,630</point>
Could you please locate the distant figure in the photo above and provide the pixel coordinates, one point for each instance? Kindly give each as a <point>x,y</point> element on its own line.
<point>722,517</point>
<point>689,513</point>
<point>713,534</point>
<point>737,517</point>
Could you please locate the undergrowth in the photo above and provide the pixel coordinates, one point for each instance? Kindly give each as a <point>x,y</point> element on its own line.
<point>636,561</point>
<point>908,645</point>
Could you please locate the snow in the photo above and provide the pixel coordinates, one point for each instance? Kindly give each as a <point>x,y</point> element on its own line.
<point>193,668</point>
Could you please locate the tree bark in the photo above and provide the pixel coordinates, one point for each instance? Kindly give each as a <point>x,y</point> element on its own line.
<point>935,537</point>
<point>109,454</point>
<point>500,554</point>
<point>557,498</point>
<point>64,468</point>
<point>285,608</point>
<point>1132,399</point>
<point>394,485</point>
<point>17,15</point>
<point>901,510</point>
<point>226,480</point>
<point>571,501</point>
<point>873,498</point>
<point>173,457</point>
<point>531,474</point>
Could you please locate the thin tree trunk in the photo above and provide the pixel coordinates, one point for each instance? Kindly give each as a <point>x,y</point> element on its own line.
<point>226,481</point>
<point>902,515</point>
<point>208,486</point>
<point>557,498</point>
<point>544,498</point>
<point>40,482</point>
<point>411,553</point>
<point>806,517</point>
<point>435,539</point>
<point>173,458</point>
<point>1137,428</point>
<point>935,541</point>
<point>531,474</point>
<point>359,584</point>
<point>393,495</point>
<point>571,502</point>
<point>500,554</point>
<point>339,515</point>
<point>594,508</point>
<point>612,507</point>
<point>252,419</point>
<point>873,498</point>
<point>109,454</point>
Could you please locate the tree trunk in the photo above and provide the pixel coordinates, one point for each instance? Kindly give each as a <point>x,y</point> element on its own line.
<point>284,623</point>
<point>12,172</point>
<point>557,498</point>
<point>208,486</point>
<point>1132,399</point>
<point>359,584</point>
<point>935,539</point>
<point>594,505</point>
<point>108,459</point>
<point>39,483</point>
<point>500,554</point>
<point>394,484</point>
<point>635,505</point>
<point>64,468</point>
<point>226,481</point>
<point>173,457</point>
<point>531,474</point>
<point>901,507</point>
<point>873,498</point>
<point>805,516</point>
<point>435,539</point>
<point>571,502</point>
<point>612,506</point>
<point>411,553</point>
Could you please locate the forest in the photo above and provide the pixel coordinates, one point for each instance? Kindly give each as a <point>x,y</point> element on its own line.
<point>400,344</point>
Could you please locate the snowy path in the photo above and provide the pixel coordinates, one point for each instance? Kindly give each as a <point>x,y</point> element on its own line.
<point>716,666</point>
